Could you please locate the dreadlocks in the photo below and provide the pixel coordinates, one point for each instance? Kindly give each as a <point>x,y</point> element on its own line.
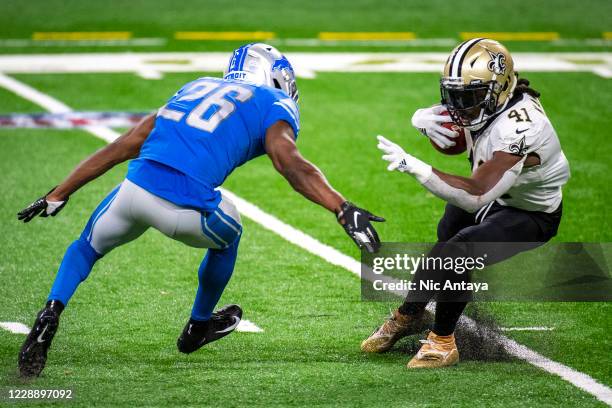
<point>522,86</point>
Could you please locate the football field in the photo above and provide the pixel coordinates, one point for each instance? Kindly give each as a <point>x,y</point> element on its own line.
<point>116,345</point>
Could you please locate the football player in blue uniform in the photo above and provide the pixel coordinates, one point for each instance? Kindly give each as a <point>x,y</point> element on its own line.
<point>180,156</point>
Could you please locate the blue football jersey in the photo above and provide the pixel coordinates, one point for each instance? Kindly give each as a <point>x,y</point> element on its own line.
<point>206,130</point>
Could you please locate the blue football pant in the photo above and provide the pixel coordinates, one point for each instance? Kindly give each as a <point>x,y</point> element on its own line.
<point>127,212</point>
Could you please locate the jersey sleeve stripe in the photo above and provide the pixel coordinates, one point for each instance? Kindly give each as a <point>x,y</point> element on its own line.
<point>294,115</point>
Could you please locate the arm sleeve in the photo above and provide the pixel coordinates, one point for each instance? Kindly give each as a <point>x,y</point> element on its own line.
<point>469,202</point>
<point>283,109</point>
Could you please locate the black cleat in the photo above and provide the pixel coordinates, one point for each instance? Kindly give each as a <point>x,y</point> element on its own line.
<point>196,333</point>
<point>33,354</point>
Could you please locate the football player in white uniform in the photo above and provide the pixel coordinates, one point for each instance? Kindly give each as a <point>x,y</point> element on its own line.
<point>513,195</point>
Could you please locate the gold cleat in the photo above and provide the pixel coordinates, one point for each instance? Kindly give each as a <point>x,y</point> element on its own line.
<point>436,351</point>
<point>394,328</point>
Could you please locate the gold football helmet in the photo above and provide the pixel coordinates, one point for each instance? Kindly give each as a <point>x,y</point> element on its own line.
<point>478,82</point>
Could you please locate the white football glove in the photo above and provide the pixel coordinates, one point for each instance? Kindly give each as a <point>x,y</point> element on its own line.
<point>401,161</point>
<point>428,121</point>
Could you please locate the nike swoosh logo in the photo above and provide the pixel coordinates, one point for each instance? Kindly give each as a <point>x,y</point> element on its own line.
<point>522,131</point>
<point>39,338</point>
<point>355,215</point>
<point>232,327</point>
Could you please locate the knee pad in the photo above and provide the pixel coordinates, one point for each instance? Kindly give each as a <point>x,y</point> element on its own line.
<point>222,229</point>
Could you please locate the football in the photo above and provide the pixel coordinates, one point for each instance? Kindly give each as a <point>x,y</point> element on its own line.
<point>460,145</point>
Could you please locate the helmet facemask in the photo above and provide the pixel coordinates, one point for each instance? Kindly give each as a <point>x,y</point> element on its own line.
<point>470,106</point>
<point>283,77</point>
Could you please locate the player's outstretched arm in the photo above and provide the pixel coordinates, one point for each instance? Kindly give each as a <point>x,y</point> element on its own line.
<point>490,181</point>
<point>307,179</point>
<point>123,148</point>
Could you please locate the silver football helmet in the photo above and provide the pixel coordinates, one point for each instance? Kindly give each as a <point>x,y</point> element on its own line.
<point>262,64</point>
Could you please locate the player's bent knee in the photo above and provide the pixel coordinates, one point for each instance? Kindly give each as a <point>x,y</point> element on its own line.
<point>221,229</point>
<point>445,232</point>
<point>453,220</point>
<point>86,254</point>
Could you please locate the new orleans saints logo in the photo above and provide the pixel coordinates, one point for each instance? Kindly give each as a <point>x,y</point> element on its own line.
<point>519,148</point>
<point>497,65</point>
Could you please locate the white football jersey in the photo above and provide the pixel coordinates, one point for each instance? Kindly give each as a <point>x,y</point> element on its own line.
<point>524,129</point>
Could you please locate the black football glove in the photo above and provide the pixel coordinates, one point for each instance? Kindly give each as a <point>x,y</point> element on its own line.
<point>41,206</point>
<point>356,223</point>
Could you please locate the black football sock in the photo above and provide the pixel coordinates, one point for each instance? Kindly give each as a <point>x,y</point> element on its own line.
<point>56,306</point>
<point>412,308</point>
<point>447,315</point>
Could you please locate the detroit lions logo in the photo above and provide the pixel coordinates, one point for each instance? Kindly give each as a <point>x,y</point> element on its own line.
<point>497,65</point>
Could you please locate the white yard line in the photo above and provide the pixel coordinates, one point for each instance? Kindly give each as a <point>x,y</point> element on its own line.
<point>247,326</point>
<point>307,65</point>
<point>51,104</point>
<point>335,257</point>
<point>533,328</point>
<point>15,327</point>
<point>294,235</point>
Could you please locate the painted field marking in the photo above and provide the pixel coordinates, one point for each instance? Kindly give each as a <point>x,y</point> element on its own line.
<point>366,36</point>
<point>81,35</point>
<point>15,327</point>
<point>306,64</point>
<point>247,326</point>
<point>325,39</point>
<point>132,42</point>
<point>413,43</point>
<point>512,36</point>
<point>72,120</point>
<point>51,104</point>
<point>533,328</point>
<point>244,326</point>
<point>223,35</point>
<point>335,257</point>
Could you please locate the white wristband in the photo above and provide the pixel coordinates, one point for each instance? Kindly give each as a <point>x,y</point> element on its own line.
<point>422,171</point>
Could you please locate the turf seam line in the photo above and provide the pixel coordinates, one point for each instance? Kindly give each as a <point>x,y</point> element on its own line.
<point>335,257</point>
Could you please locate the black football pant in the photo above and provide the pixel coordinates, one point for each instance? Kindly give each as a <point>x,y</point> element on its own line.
<point>456,230</point>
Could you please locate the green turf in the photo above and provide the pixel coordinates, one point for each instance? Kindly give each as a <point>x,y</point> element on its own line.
<point>299,19</point>
<point>335,121</point>
<point>116,345</point>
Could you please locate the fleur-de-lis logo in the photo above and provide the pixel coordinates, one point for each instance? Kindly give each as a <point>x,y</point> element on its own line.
<point>519,148</point>
<point>497,65</point>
